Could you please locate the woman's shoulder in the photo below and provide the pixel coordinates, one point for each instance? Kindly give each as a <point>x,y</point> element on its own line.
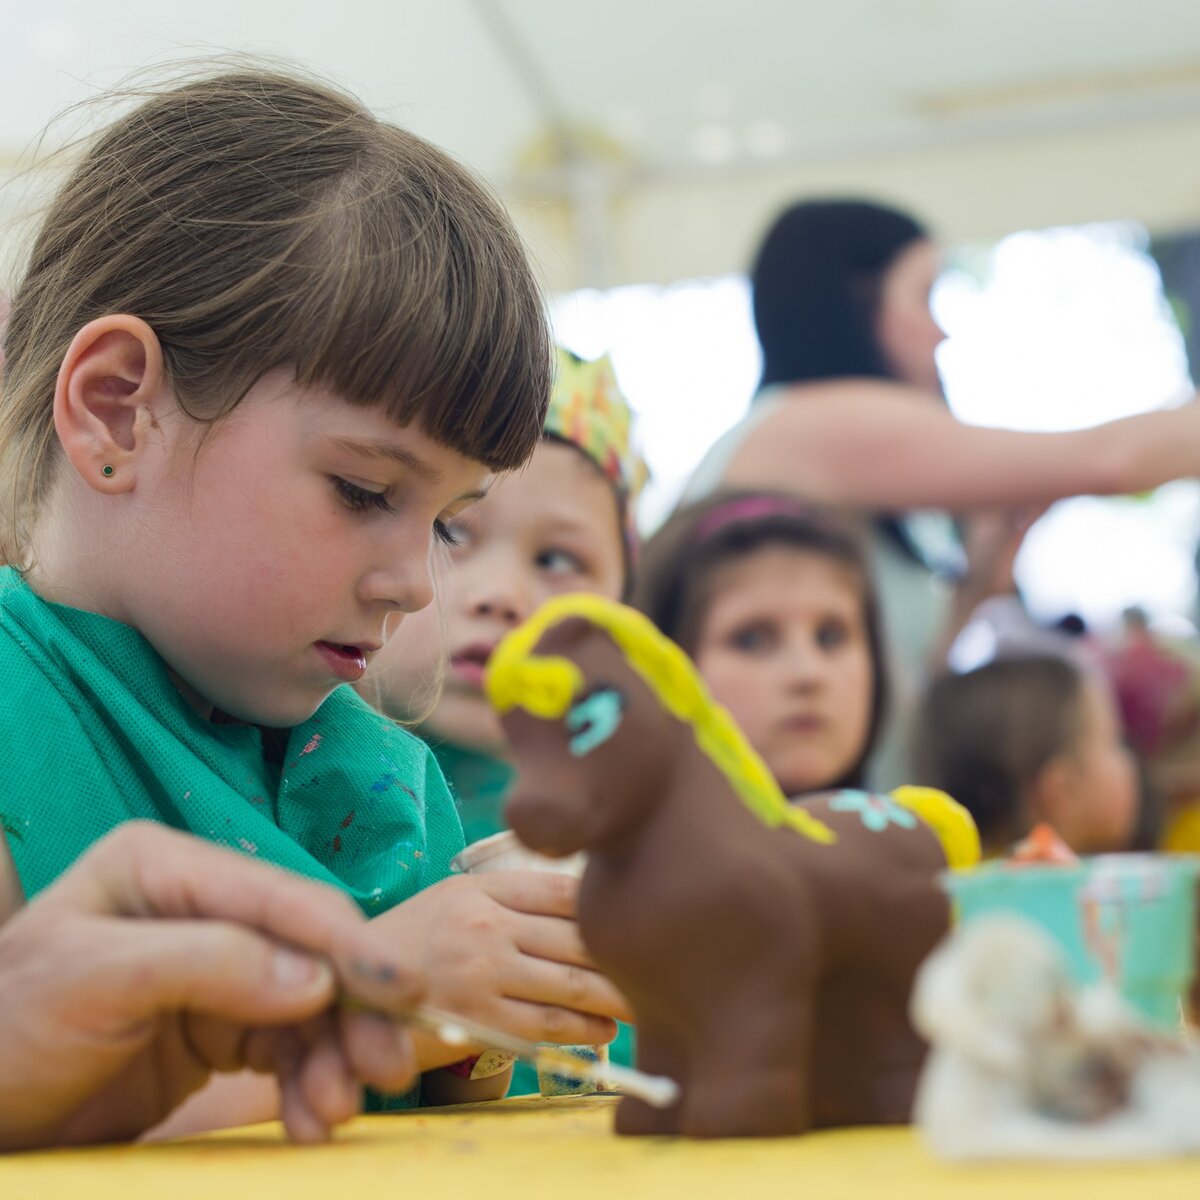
<point>818,395</point>
<point>815,418</point>
<point>838,440</point>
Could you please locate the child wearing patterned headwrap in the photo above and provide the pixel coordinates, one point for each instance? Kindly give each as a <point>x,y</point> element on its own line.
<point>564,523</point>
<point>588,412</point>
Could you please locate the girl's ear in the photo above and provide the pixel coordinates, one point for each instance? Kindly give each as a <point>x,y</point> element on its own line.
<point>109,383</point>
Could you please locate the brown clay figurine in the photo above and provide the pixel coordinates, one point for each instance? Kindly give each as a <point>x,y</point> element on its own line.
<point>767,949</point>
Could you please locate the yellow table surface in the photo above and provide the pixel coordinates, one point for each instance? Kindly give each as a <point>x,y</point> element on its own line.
<point>556,1148</point>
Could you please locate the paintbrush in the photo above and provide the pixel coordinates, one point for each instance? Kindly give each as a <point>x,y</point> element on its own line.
<point>656,1090</point>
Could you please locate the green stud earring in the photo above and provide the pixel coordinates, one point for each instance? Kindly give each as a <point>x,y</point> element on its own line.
<point>107,470</point>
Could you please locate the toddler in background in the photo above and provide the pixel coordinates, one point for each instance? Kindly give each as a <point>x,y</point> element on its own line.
<point>1029,740</point>
<point>772,598</point>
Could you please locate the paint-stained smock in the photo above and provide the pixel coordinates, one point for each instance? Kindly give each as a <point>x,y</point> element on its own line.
<point>93,732</point>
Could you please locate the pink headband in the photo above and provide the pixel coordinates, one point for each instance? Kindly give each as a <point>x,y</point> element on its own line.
<point>756,508</point>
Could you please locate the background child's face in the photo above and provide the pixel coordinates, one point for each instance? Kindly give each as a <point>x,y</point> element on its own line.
<point>263,567</point>
<point>784,646</point>
<point>1099,808</point>
<point>550,528</point>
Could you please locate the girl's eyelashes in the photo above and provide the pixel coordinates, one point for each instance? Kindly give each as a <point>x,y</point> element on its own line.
<point>448,533</point>
<point>359,499</point>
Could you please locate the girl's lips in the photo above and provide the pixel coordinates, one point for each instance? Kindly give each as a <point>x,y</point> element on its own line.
<point>348,663</point>
<point>469,664</point>
<point>468,671</point>
<point>804,723</point>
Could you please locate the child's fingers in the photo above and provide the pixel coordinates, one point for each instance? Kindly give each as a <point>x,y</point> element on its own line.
<point>549,1023</point>
<point>542,892</point>
<point>554,938</point>
<point>560,985</point>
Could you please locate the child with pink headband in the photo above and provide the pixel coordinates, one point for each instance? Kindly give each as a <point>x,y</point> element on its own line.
<point>772,598</point>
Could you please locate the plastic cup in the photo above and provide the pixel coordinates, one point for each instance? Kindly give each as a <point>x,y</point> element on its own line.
<point>504,852</point>
<point>1126,918</point>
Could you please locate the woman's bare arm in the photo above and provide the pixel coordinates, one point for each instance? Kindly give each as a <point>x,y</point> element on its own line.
<point>876,445</point>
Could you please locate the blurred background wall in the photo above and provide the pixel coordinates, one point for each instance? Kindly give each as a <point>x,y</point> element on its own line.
<point>1053,145</point>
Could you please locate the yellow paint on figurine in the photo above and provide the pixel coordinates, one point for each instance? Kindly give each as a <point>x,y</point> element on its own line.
<point>950,822</point>
<point>545,687</point>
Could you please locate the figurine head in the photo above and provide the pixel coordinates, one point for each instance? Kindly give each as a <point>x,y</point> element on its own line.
<point>585,775</point>
<point>602,670</point>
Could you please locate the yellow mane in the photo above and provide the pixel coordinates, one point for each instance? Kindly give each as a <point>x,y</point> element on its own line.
<point>546,686</point>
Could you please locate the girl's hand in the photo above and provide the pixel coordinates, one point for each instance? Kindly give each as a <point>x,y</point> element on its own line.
<point>504,949</point>
<point>159,959</point>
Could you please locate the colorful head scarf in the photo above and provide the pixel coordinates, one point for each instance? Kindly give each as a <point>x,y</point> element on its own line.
<point>588,411</point>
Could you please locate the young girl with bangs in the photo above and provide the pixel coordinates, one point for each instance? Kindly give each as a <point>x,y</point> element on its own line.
<point>266,347</point>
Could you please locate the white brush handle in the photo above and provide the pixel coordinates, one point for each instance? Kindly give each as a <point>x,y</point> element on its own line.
<point>656,1090</point>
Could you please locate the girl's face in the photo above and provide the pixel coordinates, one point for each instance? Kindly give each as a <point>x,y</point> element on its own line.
<point>550,528</point>
<point>1100,809</point>
<point>783,644</point>
<point>904,325</point>
<point>264,566</point>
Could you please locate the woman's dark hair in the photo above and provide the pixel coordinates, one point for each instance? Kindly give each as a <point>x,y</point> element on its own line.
<point>673,583</point>
<point>984,736</point>
<point>816,285</point>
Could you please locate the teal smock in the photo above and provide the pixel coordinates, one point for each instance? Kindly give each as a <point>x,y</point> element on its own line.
<point>95,733</point>
<point>480,785</point>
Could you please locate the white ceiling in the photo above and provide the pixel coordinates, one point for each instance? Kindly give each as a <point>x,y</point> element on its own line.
<point>635,94</point>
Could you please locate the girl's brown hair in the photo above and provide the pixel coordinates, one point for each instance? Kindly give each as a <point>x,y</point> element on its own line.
<point>258,220</point>
<point>673,584</point>
<point>984,736</point>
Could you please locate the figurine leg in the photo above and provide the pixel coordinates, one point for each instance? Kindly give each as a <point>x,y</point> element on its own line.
<point>749,1083</point>
<point>765,1103</point>
<point>657,1056</point>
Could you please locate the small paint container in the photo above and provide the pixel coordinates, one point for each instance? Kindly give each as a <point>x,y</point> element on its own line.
<point>1126,918</point>
<point>556,1079</point>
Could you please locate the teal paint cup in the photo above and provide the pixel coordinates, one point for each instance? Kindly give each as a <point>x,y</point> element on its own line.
<point>1128,918</point>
